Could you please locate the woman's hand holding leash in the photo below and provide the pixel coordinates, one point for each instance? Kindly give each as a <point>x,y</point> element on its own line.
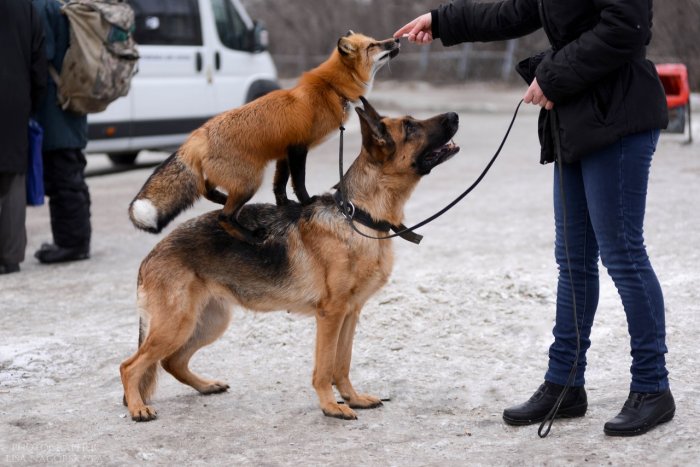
<point>535,95</point>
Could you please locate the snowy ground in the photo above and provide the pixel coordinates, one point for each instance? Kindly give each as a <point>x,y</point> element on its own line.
<point>460,332</point>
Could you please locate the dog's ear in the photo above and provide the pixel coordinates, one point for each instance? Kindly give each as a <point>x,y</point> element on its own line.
<point>369,109</point>
<point>375,137</point>
<point>345,47</point>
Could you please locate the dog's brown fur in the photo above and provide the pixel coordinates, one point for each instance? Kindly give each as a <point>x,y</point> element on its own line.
<point>232,149</point>
<point>310,261</point>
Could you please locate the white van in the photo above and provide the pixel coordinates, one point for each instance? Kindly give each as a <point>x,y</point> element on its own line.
<point>198,58</point>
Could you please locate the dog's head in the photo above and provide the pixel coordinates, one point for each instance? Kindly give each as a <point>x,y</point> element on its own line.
<point>365,54</point>
<point>396,153</point>
<point>407,146</point>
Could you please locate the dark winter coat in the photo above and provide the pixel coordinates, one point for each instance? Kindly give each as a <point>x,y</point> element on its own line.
<point>62,130</point>
<point>596,72</point>
<point>22,80</point>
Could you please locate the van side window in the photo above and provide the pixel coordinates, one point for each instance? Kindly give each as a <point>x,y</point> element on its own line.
<point>233,32</point>
<point>167,22</point>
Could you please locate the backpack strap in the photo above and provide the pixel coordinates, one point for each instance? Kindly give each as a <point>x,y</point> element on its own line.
<point>57,79</point>
<point>54,75</point>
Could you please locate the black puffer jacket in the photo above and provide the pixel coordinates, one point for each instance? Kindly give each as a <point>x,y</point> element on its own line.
<point>22,80</point>
<point>596,73</point>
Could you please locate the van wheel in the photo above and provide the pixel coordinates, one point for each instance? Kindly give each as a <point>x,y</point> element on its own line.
<point>123,158</point>
<point>260,88</point>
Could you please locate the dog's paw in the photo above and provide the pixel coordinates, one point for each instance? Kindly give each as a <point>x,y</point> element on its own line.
<point>214,388</point>
<point>144,413</point>
<point>339,411</point>
<point>365,401</point>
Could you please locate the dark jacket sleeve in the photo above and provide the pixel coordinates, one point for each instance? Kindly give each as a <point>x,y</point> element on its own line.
<point>39,67</point>
<point>620,35</point>
<point>468,21</point>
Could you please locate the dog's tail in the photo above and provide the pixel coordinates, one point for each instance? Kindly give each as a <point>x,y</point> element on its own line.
<point>173,187</point>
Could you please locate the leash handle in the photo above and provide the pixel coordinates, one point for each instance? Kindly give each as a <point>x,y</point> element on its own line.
<point>408,231</point>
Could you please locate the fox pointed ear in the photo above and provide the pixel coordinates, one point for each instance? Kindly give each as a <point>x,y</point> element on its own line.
<point>375,137</point>
<point>349,33</point>
<point>345,47</point>
<point>369,109</point>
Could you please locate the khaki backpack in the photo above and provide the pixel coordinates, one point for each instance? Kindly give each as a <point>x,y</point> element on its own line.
<point>101,58</point>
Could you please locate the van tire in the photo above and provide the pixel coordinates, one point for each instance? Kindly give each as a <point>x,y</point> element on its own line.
<point>123,158</point>
<point>260,88</point>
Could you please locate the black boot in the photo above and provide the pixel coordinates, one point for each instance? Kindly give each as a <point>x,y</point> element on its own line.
<point>642,412</point>
<point>9,268</point>
<point>538,406</point>
<point>52,253</point>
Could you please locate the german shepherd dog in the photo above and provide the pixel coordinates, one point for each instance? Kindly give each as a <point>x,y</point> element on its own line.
<point>309,261</point>
<point>231,150</point>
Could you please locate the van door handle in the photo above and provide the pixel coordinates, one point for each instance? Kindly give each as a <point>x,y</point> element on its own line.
<point>198,61</point>
<point>217,61</point>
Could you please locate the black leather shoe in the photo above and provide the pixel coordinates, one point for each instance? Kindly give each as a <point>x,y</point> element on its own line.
<point>8,268</point>
<point>538,406</point>
<point>642,412</point>
<point>51,253</point>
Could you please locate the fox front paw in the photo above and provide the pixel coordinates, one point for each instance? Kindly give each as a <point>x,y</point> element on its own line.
<point>281,200</point>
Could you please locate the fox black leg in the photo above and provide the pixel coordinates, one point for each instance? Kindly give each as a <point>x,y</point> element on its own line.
<point>296,155</point>
<point>279,185</point>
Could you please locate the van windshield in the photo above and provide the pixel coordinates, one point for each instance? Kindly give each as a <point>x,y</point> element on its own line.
<point>231,28</point>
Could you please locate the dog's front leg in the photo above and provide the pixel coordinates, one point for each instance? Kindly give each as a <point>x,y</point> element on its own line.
<point>328,324</point>
<point>296,156</point>
<point>341,375</point>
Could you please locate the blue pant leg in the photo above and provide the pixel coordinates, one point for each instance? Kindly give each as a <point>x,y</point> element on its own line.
<point>583,258</point>
<point>615,180</point>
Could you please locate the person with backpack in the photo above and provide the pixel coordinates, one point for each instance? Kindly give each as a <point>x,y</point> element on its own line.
<point>22,83</point>
<point>65,137</point>
<point>602,107</point>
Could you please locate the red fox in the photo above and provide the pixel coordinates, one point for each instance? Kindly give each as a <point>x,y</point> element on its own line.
<point>232,149</point>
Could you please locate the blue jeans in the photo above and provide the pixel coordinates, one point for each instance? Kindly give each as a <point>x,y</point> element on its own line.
<point>605,203</point>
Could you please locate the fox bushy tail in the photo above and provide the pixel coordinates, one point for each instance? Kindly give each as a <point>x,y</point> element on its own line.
<point>171,188</point>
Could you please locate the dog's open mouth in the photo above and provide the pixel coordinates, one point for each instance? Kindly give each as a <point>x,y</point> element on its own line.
<point>430,159</point>
<point>441,154</point>
<point>394,52</point>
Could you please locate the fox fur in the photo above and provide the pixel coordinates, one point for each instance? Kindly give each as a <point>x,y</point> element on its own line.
<point>231,150</point>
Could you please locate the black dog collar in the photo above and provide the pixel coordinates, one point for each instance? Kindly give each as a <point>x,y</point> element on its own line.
<point>361,216</point>
<point>364,218</point>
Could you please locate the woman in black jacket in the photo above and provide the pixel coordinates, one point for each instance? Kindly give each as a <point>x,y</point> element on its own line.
<point>602,108</point>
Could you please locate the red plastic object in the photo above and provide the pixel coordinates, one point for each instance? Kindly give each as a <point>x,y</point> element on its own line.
<point>674,77</point>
